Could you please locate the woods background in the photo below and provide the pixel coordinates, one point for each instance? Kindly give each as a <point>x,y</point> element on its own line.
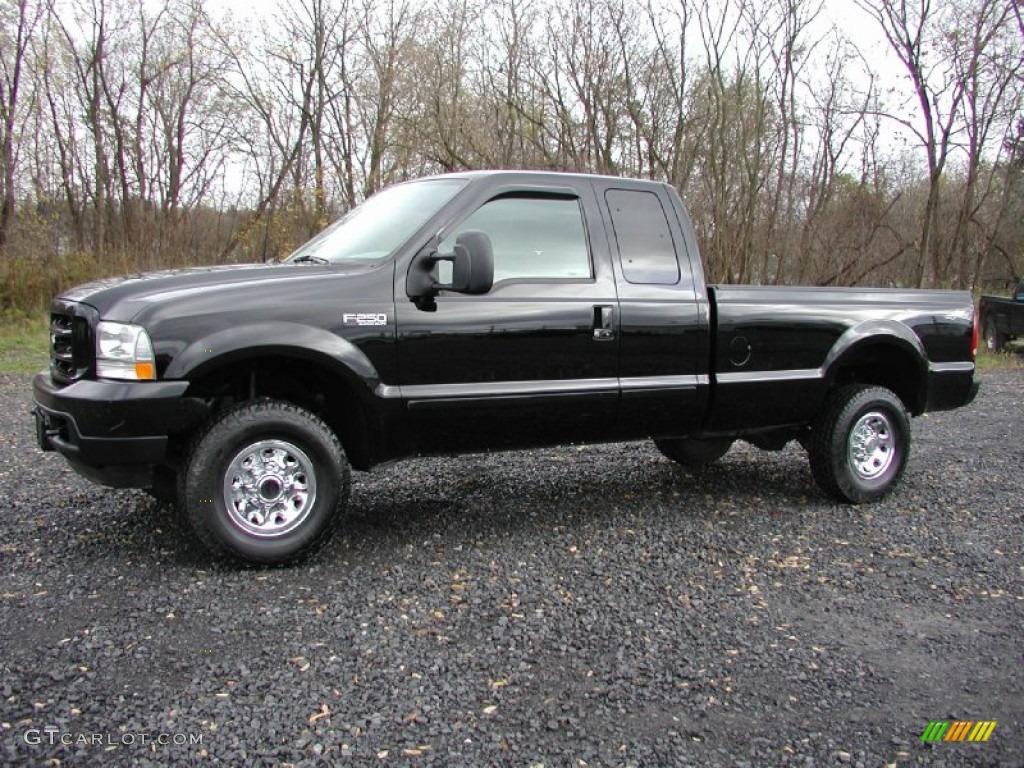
<point>138,135</point>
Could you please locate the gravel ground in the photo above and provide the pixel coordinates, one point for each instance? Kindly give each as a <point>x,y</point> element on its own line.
<point>564,607</point>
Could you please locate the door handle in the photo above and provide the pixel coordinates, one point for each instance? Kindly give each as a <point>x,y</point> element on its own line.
<point>604,323</point>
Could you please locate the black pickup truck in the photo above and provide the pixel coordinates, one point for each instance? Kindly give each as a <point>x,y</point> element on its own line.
<point>1002,320</point>
<point>474,312</point>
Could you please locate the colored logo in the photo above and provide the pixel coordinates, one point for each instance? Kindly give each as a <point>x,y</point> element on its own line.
<point>958,730</point>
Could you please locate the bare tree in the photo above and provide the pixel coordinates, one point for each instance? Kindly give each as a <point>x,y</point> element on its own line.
<point>60,126</point>
<point>942,48</point>
<point>839,116</point>
<point>447,119</point>
<point>161,133</point>
<point>387,32</point>
<point>740,145</point>
<point>783,33</point>
<point>990,62</point>
<point>86,41</point>
<point>671,146</point>
<point>17,25</point>
<point>276,87</point>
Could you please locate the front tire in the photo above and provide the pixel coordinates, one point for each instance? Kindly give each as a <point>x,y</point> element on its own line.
<point>860,444</point>
<point>265,483</point>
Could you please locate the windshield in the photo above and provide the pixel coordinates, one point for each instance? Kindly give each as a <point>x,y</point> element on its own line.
<point>382,223</point>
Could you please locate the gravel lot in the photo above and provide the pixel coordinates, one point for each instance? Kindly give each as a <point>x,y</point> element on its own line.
<point>566,607</point>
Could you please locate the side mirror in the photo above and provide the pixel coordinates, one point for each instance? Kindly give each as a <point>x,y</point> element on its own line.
<point>472,263</point>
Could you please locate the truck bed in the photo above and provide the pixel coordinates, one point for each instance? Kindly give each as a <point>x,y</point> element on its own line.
<point>782,342</point>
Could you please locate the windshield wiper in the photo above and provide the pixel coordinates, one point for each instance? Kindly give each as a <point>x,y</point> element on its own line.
<point>311,259</point>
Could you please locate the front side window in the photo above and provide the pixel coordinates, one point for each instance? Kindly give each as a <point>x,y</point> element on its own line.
<point>533,237</point>
<point>374,229</point>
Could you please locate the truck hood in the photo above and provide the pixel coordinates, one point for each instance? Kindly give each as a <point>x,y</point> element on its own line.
<point>121,298</point>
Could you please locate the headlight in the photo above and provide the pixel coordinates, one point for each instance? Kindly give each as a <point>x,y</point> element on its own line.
<point>124,352</point>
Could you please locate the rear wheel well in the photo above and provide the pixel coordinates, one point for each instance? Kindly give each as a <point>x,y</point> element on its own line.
<point>302,382</point>
<point>883,365</point>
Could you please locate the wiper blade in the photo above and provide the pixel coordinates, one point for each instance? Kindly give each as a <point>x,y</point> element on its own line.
<point>311,259</point>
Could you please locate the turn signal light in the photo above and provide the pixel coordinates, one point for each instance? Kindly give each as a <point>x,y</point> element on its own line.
<point>145,371</point>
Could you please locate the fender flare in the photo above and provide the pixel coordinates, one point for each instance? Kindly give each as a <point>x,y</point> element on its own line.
<point>890,333</point>
<point>274,338</point>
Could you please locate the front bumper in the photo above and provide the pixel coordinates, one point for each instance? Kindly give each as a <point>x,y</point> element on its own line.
<point>113,432</point>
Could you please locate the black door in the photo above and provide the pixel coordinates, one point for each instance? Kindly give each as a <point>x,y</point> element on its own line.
<point>535,360</point>
<point>663,328</point>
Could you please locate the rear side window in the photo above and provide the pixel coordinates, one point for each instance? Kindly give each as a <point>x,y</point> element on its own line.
<point>533,237</point>
<point>646,250</point>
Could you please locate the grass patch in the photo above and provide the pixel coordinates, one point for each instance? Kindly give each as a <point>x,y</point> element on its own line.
<point>24,343</point>
<point>1011,357</point>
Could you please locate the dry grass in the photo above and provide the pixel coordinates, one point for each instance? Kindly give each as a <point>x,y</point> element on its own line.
<point>1011,357</point>
<point>23,343</point>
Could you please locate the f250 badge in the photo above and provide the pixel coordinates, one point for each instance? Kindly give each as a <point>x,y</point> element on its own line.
<point>364,318</point>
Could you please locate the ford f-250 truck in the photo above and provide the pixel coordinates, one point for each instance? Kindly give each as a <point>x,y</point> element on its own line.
<point>1002,320</point>
<point>474,312</point>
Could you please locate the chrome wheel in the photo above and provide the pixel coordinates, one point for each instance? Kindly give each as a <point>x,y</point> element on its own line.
<point>859,443</point>
<point>872,445</point>
<point>269,488</point>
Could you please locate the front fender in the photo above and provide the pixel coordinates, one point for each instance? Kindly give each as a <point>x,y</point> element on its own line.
<point>263,339</point>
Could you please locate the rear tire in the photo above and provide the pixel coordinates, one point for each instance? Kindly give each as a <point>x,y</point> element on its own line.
<point>994,340</point>
<point>265,483</point>
<point>694,452</point>
<point>860,443</point>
